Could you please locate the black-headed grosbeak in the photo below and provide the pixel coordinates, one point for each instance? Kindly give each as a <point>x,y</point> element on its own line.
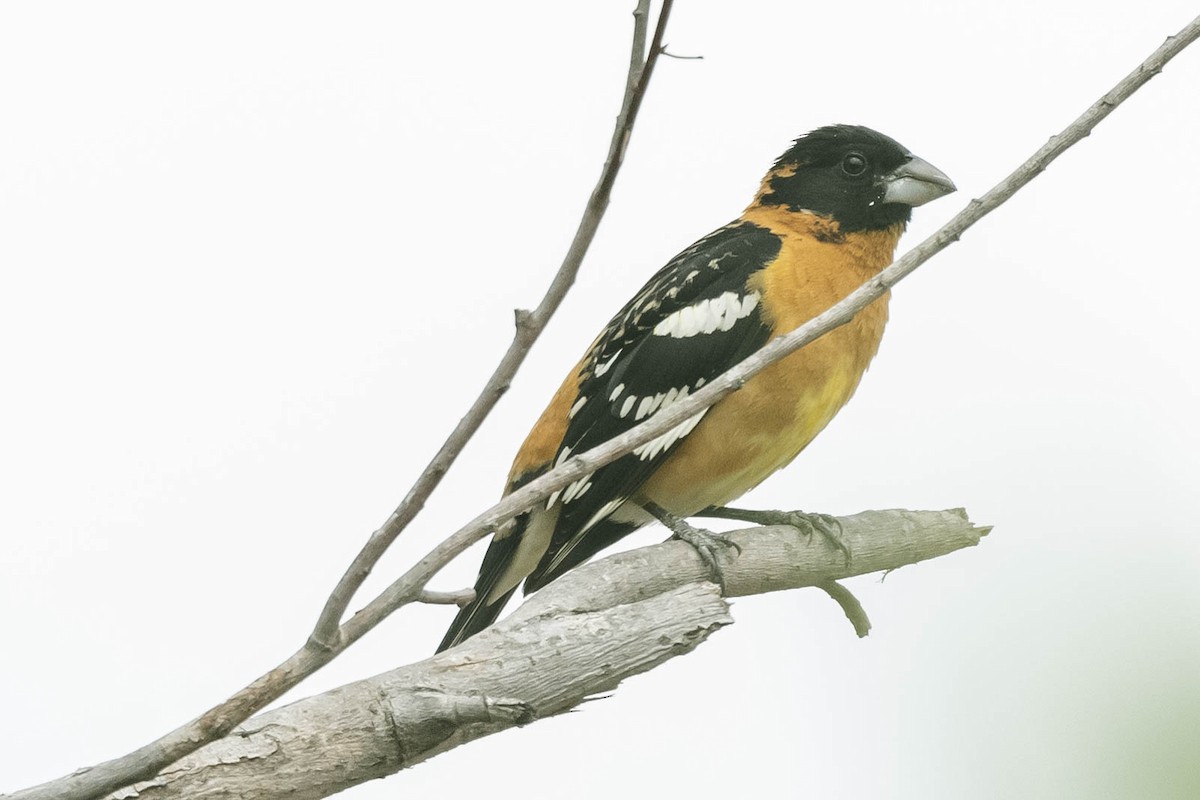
<point>826,219</point>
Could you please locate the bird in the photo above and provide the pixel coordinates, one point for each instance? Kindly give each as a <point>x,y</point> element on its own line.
<point>825,219</point>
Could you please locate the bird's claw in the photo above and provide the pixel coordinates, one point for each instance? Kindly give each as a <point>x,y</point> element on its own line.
<point>827,526</point>
<point>707,545</point>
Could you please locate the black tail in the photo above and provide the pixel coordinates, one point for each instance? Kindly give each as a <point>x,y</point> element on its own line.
<point>479,613</point>
<point>599,536</point>
<point>474,617</point>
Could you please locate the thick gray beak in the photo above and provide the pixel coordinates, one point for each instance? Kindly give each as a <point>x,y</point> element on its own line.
<point>916,182</point>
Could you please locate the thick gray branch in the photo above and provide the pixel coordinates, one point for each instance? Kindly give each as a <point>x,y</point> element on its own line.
<point>579,637</point>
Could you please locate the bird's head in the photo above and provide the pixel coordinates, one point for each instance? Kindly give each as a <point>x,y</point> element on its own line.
<point>858,177</point>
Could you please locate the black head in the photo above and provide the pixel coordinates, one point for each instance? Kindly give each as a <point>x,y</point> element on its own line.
<point>861,179</point>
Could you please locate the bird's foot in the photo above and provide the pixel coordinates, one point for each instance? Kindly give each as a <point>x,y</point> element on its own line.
<point>706,543</point>
<point>827,526</point>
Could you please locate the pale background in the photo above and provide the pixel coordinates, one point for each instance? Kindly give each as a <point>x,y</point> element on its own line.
<point>258,258</point>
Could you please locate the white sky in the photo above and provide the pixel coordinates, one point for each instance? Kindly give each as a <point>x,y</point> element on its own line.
<point>257,259</point>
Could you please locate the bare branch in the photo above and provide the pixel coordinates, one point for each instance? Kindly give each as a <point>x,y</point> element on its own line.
<point>529,326</point>
<point>586,632</point>
<point>669,54</point>
<point>850,606</point>
<point>459,598</point>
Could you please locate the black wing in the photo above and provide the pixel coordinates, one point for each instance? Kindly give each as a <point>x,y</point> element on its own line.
<point>692,321</point>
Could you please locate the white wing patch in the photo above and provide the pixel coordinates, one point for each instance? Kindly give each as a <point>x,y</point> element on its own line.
<point>600,514</point>
<point>575,408</point>
<point>572,491</point>
<point>562,456</point>
<point>577,488</point>
<point>663,401</point>
<point>645,408</point>
<point>607,365</point>
<point>660,444</point>
<point>647,405</point>
<point>660,400</point>
<point>710,315</point>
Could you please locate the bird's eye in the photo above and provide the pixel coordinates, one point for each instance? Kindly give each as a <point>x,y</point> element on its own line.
<point>854,164</point>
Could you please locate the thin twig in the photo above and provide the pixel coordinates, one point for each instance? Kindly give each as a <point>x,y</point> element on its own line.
<point>406,586</point>
<point>669,54</point>
<point>460,598</point>
<point>325,642</point>
<point>529,326</point>
<point>851,607</point>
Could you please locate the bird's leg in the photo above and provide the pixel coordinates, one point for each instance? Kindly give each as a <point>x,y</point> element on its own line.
<point>706,542</point>
<point>827,526</point>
